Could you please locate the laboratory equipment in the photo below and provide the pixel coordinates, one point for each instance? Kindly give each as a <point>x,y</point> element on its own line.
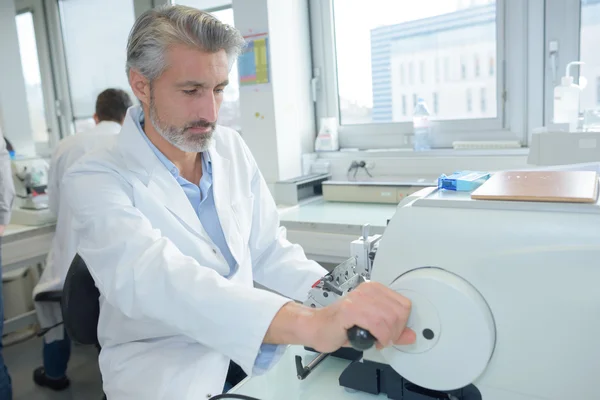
<point>293,191</point>
<point>566,99</point>
<point>30,177</point>
<point>462,180</point>
<point>498,291</point>
<point>376,191</point>
<point>421,126</point>
<point>328,136</point>
<point>560,148</point>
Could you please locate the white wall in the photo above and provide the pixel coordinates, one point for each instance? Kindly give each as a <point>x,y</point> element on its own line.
<point>278,117</point>
<point>292,73</point>
<point>14,112</point>
<point>204,4</point>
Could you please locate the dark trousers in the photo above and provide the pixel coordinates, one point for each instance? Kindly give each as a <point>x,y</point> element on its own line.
<point>56,357</point>
<point>5,381</point>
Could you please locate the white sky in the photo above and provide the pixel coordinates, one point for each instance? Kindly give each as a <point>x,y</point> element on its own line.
<point>354,20</point>
<point>28,49</point>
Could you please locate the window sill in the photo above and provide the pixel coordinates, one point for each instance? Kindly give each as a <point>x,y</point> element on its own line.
<point>408,164</point>
<point>434,153</point>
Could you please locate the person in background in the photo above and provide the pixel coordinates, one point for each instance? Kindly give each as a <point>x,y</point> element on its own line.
<point>7,195</point>
<point>111,107</point>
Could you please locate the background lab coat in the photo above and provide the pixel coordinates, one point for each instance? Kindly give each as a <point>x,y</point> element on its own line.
<point>63,248</point>
<point>169,321</point>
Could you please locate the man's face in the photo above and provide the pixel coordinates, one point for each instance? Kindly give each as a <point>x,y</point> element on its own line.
<point>185,99</point>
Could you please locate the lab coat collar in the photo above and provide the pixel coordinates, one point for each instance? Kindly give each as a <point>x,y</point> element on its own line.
<point>111,127</point>
<point>142,161</point>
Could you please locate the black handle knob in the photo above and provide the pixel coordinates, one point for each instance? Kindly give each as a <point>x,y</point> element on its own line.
<point>360,339</point>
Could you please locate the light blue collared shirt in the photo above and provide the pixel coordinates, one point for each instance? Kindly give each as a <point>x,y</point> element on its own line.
<point>202,199</point>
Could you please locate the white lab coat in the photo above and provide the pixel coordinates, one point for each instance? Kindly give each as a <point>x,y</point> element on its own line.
<point>63,248</point>
<point>169,321</point>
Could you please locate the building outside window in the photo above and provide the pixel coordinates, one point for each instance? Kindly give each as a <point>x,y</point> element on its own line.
<point>469,101</point>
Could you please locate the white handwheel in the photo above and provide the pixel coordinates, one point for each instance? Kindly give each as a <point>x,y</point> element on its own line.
<point>455,331</point>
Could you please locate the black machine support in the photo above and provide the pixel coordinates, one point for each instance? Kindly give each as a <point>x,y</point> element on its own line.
<point>375,378</point>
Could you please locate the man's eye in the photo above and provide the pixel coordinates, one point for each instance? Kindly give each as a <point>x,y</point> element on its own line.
<point>219,90</point>
<point>190,92</point>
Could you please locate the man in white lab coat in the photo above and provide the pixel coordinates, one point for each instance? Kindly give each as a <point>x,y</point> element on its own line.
<point>175,221</point>
<point>111,107</point>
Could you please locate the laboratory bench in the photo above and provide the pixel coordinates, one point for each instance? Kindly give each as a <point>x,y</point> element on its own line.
<point>281,382</point>
<point>326,229</point>
<point>25,246</point>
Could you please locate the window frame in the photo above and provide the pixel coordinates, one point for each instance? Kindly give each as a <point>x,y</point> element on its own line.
<point>512,114</point>
<point>52,114</point>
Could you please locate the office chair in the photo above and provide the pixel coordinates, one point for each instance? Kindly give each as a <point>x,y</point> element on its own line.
<point>80,306</point>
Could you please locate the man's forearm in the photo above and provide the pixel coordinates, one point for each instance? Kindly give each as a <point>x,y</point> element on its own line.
<point>293,324</point>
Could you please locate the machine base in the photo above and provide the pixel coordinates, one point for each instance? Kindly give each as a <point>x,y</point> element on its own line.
<point>345,353</point>
<point>375,378</point>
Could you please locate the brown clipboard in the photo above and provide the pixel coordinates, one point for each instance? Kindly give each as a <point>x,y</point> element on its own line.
<point>544,186</point>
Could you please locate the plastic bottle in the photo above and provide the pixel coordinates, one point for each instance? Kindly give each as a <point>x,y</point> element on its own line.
<point>566,100</point>
<point>421,127</point>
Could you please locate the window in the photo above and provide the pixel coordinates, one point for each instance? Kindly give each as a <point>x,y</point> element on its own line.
<point>483,101</point>
<point>415,98</point>
<point>402,78</point>
<point>447,69</point>
<point>477,66</point>
<point>437,70</point>
<point>404,105</point>
<point>463,68</point>
<point>435,104</point>
<point>422,71</point>
<point>33,76</point>
<point>492,66</point>
<point>394,33</point>
<point>95,52</point>
<point>469,101</point>
<point>588,47</point>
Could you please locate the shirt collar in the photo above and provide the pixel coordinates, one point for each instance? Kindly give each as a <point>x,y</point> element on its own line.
<point>206,162</point>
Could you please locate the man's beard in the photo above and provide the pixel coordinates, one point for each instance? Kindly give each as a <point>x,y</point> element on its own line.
<point>180,137</point>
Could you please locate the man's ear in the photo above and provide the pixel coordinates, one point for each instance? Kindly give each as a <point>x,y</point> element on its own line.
<point>96,119</point>
<point>140,86</point>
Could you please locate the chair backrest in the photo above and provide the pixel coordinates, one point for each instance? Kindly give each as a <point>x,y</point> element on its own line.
<point>80,306</point>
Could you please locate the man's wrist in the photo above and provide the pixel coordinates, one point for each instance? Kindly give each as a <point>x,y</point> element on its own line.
<point>294,324</point>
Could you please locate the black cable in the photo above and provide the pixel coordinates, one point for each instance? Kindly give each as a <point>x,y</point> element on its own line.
<point>42,332</point>
<point>232,396</point>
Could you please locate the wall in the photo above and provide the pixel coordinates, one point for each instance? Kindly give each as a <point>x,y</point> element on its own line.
<point>14,112</point>
<point>278,117</point>
<point>292,73</point>
<point>204,4</point>
<point>405,165</point>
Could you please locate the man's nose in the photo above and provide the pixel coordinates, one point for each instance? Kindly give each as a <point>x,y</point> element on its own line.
<point>208,108</point>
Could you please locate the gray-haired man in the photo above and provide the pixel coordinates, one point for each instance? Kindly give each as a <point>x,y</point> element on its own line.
<point>175,222</point>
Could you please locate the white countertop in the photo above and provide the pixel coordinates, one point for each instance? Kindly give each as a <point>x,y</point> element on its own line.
<point>327,216</point>
<point>15,232</point>
<point>281,381</point>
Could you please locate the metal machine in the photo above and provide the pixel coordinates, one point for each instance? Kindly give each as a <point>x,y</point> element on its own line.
<point>30,177</point>
<point>505,300</point>
<point>563,148</point>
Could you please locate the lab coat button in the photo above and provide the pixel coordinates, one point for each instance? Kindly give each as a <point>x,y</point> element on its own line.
<point>214,251</point>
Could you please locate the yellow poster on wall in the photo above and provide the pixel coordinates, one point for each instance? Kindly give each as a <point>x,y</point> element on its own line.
<point>253,64</point>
